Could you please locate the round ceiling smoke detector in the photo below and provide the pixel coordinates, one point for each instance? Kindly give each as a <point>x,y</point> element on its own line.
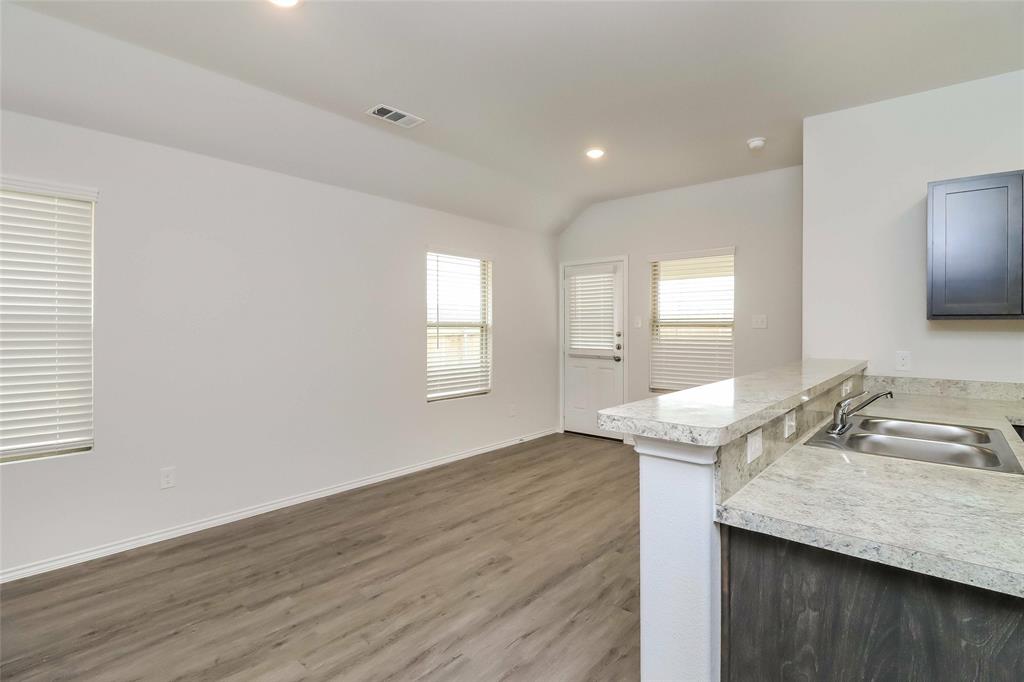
<point>756,143</point>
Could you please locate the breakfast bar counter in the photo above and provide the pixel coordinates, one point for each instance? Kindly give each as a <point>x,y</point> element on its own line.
<point>737,510</point>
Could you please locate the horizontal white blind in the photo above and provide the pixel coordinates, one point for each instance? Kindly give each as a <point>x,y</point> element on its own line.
<point>45,324</point>
<point>592,312</point>
<point>691,321</point>
<point>458,326</point>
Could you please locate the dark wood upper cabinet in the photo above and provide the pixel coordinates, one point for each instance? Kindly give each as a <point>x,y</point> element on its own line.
<point>976,247</point>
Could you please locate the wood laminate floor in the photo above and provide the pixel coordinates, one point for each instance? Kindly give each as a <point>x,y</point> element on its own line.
<point>521,564</point>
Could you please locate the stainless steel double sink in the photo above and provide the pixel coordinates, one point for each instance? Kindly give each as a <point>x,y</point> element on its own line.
<point>963,446</point>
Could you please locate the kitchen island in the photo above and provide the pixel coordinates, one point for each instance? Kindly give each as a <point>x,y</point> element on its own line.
<point>731,456</point>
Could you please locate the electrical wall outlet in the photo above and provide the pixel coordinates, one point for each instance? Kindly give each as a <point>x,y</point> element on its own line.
<point>847,388</point>
<point>168,477</point>
<point>903,361</point>
<point>759,321</point>
<point>755,445</point>
<point>789,426</point>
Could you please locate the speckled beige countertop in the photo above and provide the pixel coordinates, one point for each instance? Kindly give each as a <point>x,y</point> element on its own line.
<point>715,414</point>
<point>951,522</point>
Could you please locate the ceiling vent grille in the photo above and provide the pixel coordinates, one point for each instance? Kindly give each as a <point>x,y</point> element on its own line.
<point>393,115</point>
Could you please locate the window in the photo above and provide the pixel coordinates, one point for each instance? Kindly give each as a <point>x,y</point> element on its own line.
<point>592,309</point>
<point>691,321</point>
<point>45,324</point>
<point>458,326</point>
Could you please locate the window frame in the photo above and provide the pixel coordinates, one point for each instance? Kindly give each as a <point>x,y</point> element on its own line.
<point>72,193</point>
<point>655,322</point>
<point>486,325</point>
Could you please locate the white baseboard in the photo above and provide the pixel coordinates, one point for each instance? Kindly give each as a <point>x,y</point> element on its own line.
<point>78,557</point>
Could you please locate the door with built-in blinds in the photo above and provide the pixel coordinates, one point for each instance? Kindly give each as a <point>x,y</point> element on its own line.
<point>592,345</point>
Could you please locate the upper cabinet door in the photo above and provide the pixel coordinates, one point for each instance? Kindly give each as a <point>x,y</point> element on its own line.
<point>975,247</point>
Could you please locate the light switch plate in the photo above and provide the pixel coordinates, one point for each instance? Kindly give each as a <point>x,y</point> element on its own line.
<point>759,321</point>
<point>789,427</point>
<point>168,477</point>
<point>903,361</point>
<point>638,322</point>
<point>755,445</point>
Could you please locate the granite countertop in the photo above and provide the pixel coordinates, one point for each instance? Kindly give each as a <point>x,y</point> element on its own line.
<point>951,522</point>
<point>718,413</point>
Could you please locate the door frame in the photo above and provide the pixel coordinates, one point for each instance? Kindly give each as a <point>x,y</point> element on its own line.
<point>623,261</point>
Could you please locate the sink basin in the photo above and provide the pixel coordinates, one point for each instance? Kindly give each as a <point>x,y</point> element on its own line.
<point>958,454</point>
<point>963,446</point>
<point>946,433</point>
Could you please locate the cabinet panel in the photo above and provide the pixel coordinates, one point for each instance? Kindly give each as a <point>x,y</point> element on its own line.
<point>793,612</point>
<point>975,246</point>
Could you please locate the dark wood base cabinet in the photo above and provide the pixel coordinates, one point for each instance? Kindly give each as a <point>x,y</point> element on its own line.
<point>793,612</point>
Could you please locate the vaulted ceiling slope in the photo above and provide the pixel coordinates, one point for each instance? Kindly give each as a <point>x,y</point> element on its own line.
<point>59,71</point>
<point>512,92</point>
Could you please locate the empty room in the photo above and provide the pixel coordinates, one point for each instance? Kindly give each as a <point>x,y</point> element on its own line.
<point>505,340</point>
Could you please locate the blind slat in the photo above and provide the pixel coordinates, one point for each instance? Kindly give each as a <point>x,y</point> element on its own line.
<point>46,359</point>
<point>691,321</point>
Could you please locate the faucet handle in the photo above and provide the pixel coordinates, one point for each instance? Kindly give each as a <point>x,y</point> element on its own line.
<point>840,414</point>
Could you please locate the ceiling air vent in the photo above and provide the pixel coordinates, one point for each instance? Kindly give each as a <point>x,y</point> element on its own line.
<point>392,115</point>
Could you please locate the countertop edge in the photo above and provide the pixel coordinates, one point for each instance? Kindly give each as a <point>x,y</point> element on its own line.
<point>680,432</point>
<point>956,570</point>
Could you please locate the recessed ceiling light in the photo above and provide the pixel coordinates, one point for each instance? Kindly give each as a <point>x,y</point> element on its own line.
<point>756,143</point>
<point>284,3</point>
<point>595,153</point>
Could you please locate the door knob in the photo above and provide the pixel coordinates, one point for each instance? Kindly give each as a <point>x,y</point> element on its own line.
<point>617,358</point>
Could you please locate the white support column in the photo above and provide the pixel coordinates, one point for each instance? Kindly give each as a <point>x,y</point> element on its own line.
<point>680,563</point>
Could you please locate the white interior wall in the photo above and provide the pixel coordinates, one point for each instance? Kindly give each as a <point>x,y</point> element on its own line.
<point>265,335</point>
<point>758,214</point>
<point>865,183</point>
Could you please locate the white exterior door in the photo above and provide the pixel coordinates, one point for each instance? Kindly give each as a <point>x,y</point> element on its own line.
<point>592,346</point>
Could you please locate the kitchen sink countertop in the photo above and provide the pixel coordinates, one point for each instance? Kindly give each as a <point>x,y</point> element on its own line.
<point>951,522</point>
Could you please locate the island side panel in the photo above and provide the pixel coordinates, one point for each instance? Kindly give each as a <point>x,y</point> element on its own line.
<point>679,562</point>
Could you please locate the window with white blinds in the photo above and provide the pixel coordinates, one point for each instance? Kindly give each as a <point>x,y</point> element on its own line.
<point>458,326</point>
<point>591,301</point>
<point>691,321</point>
<point>45,324</point>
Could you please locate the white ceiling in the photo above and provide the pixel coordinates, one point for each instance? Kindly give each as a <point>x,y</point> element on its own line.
<point>671,89</point>
<point>60,71</point>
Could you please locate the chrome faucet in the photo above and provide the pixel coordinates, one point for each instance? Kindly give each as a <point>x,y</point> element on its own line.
<point>842,412</point>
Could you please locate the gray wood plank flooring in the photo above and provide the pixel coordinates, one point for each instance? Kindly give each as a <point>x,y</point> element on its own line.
<point>521,564</point>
